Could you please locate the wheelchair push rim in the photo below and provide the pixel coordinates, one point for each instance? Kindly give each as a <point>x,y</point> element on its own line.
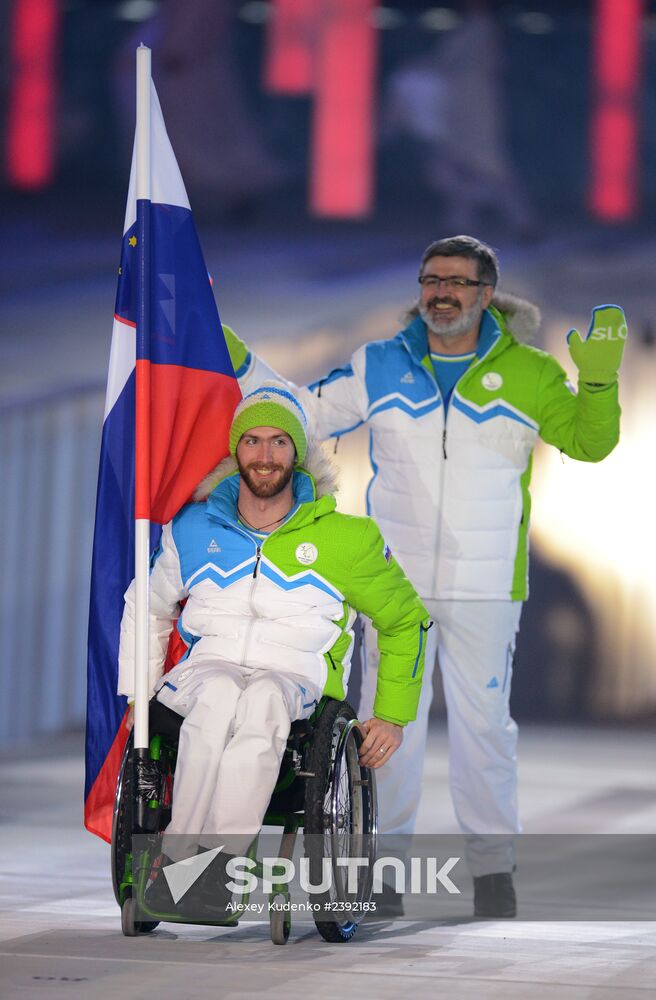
<point>340,823</point>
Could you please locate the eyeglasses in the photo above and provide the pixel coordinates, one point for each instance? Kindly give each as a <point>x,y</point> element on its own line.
<point>452,282</point>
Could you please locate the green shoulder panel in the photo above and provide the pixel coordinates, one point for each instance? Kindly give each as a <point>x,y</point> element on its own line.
<point>510,374</point>
<point>585,425</point>
<point>237,349</point>
<point>352,556</point>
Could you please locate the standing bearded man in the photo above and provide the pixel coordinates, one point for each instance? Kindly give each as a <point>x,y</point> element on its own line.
<point>455,404</point>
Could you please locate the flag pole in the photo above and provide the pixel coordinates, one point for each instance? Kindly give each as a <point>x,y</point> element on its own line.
<point>142,448</point>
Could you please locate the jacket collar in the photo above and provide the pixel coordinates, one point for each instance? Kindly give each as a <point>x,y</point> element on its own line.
<point>491,331</point>
<point>222,501</point>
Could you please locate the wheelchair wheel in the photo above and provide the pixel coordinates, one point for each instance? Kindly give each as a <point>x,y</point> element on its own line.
<point>130,926</point>
<point>121,849</point>
<point>122,824</point>
<point>280,922</point>
<point>340,822</point>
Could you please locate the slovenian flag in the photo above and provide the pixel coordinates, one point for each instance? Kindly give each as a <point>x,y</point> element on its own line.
<point>188,393</point>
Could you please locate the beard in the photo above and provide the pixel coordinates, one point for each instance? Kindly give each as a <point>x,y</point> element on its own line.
<point>264,489</point>
<point>467,320</point>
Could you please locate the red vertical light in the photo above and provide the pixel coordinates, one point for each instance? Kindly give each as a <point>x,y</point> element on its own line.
<point>614,130</point>
<point>342,156</point>
<point>30,127</point>
<point>290,44</point>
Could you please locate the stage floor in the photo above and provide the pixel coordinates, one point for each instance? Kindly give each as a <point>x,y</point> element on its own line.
<point>60,930</point>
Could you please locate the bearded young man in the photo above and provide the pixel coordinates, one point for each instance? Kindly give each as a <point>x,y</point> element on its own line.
<point>455,403</point>
<point>272,576</point>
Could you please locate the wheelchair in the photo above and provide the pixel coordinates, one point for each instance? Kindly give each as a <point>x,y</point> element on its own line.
<point>321,787</point>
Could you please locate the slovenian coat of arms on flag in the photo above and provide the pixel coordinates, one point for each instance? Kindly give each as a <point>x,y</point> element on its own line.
<point>167,338</point>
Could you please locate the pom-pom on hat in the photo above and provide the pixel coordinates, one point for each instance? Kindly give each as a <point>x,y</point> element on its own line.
<point>272,405</point>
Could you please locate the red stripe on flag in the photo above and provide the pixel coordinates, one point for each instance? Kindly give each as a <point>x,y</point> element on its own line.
<point>342,158</point>
<point>31,124</point>
<point>99,805</point>
<point>190,415</point>
<point>143,469</point>
<point>614,129</point>
<point>290,45</point>
<point>125,322</point>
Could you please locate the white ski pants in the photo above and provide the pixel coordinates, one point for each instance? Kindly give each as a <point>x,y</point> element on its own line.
<point>475,643</point>
<point>236,724</point>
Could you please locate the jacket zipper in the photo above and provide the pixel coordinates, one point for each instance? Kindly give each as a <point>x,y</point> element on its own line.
<point>254,614</point>
<point>255,578</point>
<point>438,536</point>
<point>421,646</point>
<point>422,630</point>
<point>446,412</point>
<point>258,559</point>
<point>444,417</point>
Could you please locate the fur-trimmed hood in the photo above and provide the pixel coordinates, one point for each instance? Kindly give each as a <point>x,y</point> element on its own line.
<point>316,463</point>
<point>522,317</point>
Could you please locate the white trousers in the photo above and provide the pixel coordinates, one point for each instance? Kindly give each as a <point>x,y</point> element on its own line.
<point>475,643</point>
<point>236,724</point>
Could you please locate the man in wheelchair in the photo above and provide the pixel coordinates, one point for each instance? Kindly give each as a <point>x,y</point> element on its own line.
<point>271,577</point>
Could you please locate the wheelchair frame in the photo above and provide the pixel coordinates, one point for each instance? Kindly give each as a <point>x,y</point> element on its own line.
<point>321,787</point>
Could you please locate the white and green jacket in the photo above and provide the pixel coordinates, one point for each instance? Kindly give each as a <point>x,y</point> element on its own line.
<point>286,602</point>
<point>451,493</point>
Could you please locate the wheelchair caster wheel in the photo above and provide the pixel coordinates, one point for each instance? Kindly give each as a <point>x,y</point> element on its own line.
<point>130,926</point>
<point>280,922</point>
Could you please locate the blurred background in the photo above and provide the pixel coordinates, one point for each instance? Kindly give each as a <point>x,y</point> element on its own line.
<point>324,144</point>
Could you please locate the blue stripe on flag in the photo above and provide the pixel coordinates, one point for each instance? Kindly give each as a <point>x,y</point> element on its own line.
<point>183,315</point>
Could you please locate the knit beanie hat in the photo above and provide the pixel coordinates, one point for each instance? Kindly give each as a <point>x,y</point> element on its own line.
<point>272,405</point>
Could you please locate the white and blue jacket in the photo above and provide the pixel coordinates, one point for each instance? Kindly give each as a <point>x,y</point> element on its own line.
<point>450,492</point>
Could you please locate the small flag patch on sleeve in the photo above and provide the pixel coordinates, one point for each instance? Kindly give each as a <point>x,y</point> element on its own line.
<point>387,552</point>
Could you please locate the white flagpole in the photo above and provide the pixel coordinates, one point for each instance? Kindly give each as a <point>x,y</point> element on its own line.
<point>142,525</point>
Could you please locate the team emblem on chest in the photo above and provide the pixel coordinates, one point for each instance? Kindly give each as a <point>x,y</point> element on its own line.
<point>491,381</point>
<point>307,553</point>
